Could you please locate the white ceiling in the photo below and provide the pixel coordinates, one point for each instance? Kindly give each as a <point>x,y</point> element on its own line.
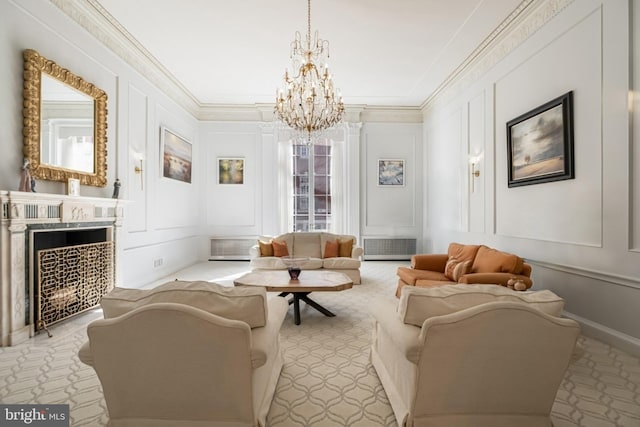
<point>383,52</point>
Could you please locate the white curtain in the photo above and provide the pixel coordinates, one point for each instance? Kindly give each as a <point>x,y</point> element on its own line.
<point>338,188</point>
<point>285,185</point>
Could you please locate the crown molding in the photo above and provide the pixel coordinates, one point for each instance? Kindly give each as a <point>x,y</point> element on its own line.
<point>91,16</point>
<point>96,20</point>
<point>353,113</point>
<point>522,23</point>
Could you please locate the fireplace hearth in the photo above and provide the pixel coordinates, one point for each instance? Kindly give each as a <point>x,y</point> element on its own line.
<point>58,256</point>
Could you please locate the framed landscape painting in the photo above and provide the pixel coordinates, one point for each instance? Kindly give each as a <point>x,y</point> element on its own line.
<point>540,143</point>
<point>230,170</point>
<point>176,156</point>
<point>391,172</point>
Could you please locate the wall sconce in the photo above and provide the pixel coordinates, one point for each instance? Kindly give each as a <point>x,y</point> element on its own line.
<point>138,170</point>
<point>475,173</point>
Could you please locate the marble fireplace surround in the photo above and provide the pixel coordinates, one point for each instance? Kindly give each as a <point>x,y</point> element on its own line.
<point>21,215</point>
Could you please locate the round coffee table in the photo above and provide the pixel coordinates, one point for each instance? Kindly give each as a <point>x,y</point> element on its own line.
<point>308,281</point>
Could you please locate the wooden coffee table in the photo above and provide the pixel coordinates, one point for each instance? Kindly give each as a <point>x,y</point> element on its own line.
<point>309,281</point>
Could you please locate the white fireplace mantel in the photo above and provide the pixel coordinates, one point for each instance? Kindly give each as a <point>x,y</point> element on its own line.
<point>19,211</point>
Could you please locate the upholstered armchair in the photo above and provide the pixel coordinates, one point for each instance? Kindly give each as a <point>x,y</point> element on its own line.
<point>212,357</point>
<point>476,355</point>
<point>465,264</point>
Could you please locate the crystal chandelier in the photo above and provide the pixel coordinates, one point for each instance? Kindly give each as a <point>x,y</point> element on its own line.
<point>308,103</point>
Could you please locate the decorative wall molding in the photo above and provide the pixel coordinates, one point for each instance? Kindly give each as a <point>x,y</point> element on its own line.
<point>353,113</point>
<point>91,16</point>
<point>631,282</point>
<point>611,336</point>
<point>521,24</point>
<point>96,20</point>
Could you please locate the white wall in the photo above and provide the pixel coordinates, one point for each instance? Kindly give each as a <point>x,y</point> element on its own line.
<point>162,217</point>
<point>245,210</point>
<point>253,209</point>
<point>391,211</point>
<point>577,233</point>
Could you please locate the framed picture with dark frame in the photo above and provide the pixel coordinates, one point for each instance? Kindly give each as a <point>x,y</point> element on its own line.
<point>540,144</point>
<point>176,156</point>
<point>390,172</point>
<point>230,170</point>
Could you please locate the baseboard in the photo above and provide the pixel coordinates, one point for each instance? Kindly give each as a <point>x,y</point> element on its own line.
<point>607,335</point>
<point>19,336</point>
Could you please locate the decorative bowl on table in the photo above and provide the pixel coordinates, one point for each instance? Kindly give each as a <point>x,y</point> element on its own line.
<point>294,265</point>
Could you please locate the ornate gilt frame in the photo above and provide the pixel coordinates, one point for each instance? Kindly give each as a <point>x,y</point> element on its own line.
<point>34,66</point>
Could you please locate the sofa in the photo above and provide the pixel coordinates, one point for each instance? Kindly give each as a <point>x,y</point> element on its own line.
<point>334,252</point>
<point>476,355</point>
<point>187,354</point>
<point>466,264</point>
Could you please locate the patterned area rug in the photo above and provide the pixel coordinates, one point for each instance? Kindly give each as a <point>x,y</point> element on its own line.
<point>327,379</point>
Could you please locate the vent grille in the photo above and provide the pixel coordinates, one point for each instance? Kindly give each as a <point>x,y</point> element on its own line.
<point>231,248</point>
<point>389,248</point>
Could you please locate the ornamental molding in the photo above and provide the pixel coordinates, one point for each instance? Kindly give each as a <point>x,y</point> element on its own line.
<point>529,17</point>
<point>94,18</point>
<point>522,23</point>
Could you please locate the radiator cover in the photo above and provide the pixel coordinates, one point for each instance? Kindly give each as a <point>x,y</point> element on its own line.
<point>393,248</point>
<point>231,248</point>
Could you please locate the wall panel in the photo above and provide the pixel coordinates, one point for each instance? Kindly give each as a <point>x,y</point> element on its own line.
<point>476,154</point>
<point>634,101</point>
<point>447,170</point>
<point>390,210</point>
<point>564,211</point>
<point>135,155</point>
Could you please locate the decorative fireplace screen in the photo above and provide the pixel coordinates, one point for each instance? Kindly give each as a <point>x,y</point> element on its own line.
<point>72,279</point>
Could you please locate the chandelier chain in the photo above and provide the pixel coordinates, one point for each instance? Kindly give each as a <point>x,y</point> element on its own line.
<point>309,24</point>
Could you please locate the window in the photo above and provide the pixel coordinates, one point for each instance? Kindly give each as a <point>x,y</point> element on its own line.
<point>311,187</point>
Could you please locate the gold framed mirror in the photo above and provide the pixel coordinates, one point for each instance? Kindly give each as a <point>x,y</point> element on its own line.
<point>64,123</point>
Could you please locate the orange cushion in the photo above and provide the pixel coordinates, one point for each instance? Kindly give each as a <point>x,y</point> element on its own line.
<point>463,252</point>
<point>411,276</point>
<point>266,248</point>
<point>345,248</point>
<point>331,249</point>
<point>280,248</point>
<point>455,269</point>
<point>490,260</point>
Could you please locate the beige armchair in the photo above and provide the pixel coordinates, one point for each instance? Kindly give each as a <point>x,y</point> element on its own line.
<point>172,364</point>
<point>496,364</point>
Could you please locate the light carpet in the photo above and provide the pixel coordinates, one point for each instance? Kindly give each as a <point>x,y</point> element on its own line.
<point>327,379</point>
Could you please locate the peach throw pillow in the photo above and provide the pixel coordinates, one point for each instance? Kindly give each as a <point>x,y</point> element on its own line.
<point>455,269</point>
<point>331,249</point>
<point>345,247</point>
<point>266,248</point>
<point>280,248</point>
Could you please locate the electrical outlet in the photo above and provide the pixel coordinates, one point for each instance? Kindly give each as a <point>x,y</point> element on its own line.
<point>157,263</point>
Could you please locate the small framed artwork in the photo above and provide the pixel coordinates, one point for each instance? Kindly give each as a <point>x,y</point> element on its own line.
<point>73,187</point>
<point>540,144</point>
<point>390,172</point>
<point>230,170</point>
<point>176,155</point>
